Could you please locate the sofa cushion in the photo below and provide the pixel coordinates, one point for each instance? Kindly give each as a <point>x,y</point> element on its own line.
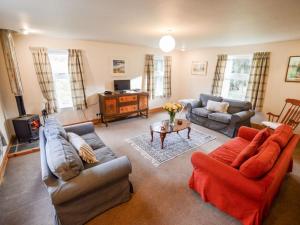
<point>204,98</point>
<point>93,140</point>
<point>63,160</point>
<point>201,112</point>
<point>220,117</point>
<point>84,150</point>
<point>252,148</point>
<point>236,106</point>
<point>53,128</point>
<point>217,106</point>
<point>103,155</point>
<point>282,135</point>
<point>227,152</point>
<point>260,164</point>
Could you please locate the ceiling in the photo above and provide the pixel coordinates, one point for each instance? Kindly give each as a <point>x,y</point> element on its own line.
<point>194,23</point>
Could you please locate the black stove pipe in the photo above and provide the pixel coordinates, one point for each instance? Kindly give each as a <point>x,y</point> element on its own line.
<point>20,104</point>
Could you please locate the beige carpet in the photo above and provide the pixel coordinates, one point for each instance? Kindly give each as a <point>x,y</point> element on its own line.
<point>161,197</point>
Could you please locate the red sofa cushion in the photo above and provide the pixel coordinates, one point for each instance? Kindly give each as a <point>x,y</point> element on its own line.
<point>227,152</point>
<point>282,135</point>
<point>258,165</point>
<point>252,148</point>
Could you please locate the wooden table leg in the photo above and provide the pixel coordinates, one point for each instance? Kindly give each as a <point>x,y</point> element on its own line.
<point>189,131</point>
<point>162,138</point>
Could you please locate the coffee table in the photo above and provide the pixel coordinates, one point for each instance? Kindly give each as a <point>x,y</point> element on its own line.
<point>164,128</point>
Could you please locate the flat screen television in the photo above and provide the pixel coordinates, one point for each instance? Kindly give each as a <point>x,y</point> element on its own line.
<point>121,85</point>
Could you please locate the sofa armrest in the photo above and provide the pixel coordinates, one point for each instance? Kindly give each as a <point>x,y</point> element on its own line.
<point>90,180</point>
<point>247,133</point>
<point>229,176</point>
<point>81,128</point>
<point>193,104</point>
<point>242,116</point>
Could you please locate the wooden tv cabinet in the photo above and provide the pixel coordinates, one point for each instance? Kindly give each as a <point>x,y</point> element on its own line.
<point>121,105</point>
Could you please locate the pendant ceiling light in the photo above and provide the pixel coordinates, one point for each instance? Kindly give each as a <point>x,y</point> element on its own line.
<point>167,43</point>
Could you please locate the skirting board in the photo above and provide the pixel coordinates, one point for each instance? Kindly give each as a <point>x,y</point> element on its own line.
<point>24,152</point>
<point>98,121</point>
<point>4,161</point>
<point>156,110</point>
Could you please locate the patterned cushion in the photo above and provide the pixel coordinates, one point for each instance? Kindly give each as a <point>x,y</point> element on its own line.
<point>220,117</point>
<point>85,151</point>
<point>103,155</point>
<point>201,111</point>
<point>62,158</point>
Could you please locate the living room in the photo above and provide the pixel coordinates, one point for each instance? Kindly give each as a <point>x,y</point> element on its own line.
<point>238,63</point>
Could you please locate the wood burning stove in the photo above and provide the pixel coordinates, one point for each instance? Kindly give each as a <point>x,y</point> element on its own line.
<point>27,127</point>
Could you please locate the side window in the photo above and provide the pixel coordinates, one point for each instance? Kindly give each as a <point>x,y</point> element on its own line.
<point>61,78</point>
<point>236,77</point>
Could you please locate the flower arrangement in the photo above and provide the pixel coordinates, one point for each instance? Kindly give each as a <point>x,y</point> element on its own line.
<point>172,109</point>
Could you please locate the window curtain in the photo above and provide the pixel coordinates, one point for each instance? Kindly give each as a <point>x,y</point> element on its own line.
<point>44,74</point>
<point>219,75</point>
<point>75,66</point>
<point>167,76</point>
<point>257,80</point>
<point>149,73</point>
<point>11,62</point>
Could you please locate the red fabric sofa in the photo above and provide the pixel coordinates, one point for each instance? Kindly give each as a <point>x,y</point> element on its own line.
<point>227,188</point>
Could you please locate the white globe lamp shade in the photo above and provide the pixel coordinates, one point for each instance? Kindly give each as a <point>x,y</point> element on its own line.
<point>167,43</point>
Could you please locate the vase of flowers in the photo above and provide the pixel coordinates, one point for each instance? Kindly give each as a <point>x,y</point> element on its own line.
<point>172,109</point>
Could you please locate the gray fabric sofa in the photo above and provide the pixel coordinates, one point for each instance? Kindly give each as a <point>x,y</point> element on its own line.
<point>239,114</point>
<point>80,191</point>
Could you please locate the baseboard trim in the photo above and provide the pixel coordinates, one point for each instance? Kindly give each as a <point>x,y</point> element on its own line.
<point>5,161</point>
<point>98,121</point>
<point>156,109</point>
<point>257,126</point>
<point>94,121</point>
<point>25,152</point>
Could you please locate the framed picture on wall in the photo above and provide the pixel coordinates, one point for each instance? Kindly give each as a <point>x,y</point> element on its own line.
<point>118,67</point>
<point>199,68</point>
<point>293,70</point>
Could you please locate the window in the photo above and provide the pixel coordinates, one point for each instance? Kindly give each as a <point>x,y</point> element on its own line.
<point>158,76</point>
<point>61,78</point>
<point>236,76</point>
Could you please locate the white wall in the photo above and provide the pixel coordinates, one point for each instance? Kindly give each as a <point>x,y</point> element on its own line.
<point>3,90</point>
<point>97,57</point>
<point>277,89</point>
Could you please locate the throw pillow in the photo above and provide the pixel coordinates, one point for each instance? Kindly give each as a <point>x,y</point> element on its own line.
<point>217,106</point>
<point>85,151</point>
<point>252,148</point>
<point>260,164</point>
<point>282,135</point>
<point>54,128</point>
<point>62,158</point>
